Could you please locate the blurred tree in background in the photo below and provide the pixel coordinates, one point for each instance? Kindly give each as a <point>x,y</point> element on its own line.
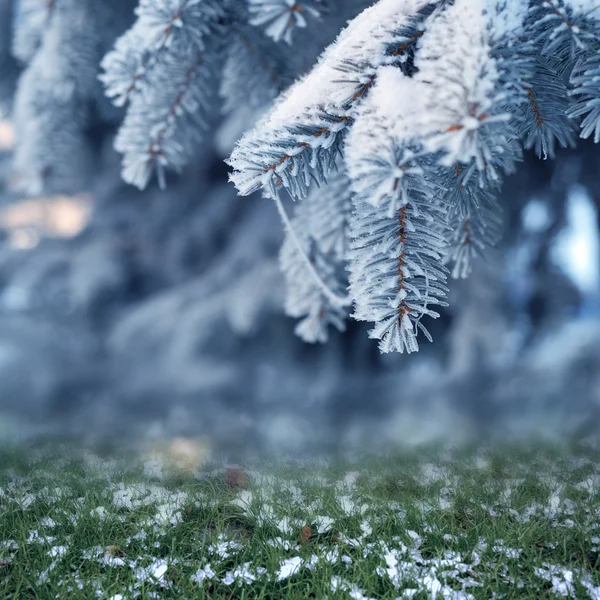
<point>123,310</point>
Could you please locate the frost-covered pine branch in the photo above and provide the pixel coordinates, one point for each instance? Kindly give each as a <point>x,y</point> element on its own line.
<point>585,76</point>
<point>429,105</point>
<point>321,223</point>
<point>412,117</point>
<point>396,275</point>
<point>586,79</point>
<point>563,28</point>
<point>473,224</point>
<point>302,136</point>
<point>281,17</point>
<point>162,67</point>
<point>60,44</point>
<point>565,37</point>
<point>168,66</point>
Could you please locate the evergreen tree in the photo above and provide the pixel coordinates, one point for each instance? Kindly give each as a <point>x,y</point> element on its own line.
<point>403,131</point>
<point>429,105</point>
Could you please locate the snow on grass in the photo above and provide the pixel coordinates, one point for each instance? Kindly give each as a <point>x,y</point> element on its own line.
<point>461,525</point>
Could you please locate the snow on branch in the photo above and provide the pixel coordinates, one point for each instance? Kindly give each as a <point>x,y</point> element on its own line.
<point>586,79</point>
<point>164,29</point>
<point>164,66</point>
<point>419,107</point>
<point>474,221</point>
<point>299,140</point>
<point>383,144</point>
<point>396,276</point>
<point>321,222</point>
<point>59,89</point>
<point>162,127</point>
<point>396,250</point>
<point>281,17</point>
<point>563,28</point>
<point>462,97</point>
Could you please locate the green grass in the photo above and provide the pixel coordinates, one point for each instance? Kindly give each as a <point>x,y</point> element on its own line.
<point>515,522</point>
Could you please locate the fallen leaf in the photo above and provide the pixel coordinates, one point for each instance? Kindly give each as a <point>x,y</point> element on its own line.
<point>305,534</point>
<point>114,551</point>
<point>235,477</point>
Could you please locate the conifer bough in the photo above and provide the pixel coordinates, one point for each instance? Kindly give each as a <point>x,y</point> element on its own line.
<point>422,107</point>
<point>394,146</point>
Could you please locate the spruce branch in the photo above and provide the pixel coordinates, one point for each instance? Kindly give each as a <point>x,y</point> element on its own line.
<point>396,276</point>
<point>407,124</point>
<point>299,140</point>
<point>563,28</point>
<point>281,17</point>
<point>335,298</point>
<point>321,224</point>
<point>58,91</point>
<point>546,121</point>
<point>162,128</point>
<point>156,68</point>
<point>164,67</point>
<point>586,81</point>
<point>474,221</point>
<point>163,28</point>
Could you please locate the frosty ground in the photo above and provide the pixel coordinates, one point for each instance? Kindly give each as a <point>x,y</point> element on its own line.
<point>427,523</point>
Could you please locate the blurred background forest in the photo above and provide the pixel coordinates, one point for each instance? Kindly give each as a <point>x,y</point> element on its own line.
<point>141,314</point>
